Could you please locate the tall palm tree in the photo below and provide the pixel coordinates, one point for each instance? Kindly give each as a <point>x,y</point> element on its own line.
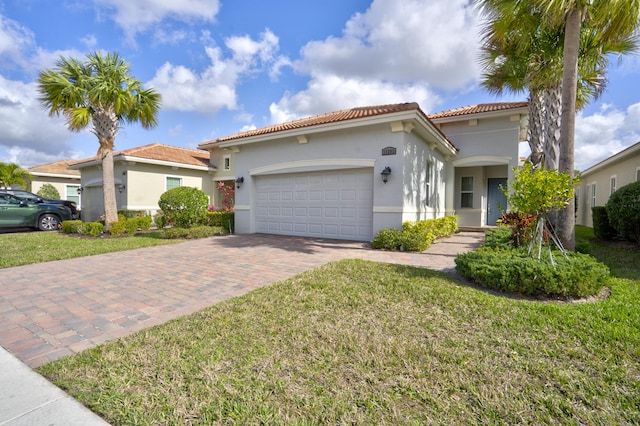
<point>13,174</point>
<point>102,94</point>
<point>613,20</point>
<point>521,32</point>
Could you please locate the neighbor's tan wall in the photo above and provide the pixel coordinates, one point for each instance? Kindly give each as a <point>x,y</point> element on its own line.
<point>58,183</point>
<point>625,173</point>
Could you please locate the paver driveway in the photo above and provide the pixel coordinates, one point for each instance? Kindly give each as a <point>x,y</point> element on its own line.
<point>50,310</point>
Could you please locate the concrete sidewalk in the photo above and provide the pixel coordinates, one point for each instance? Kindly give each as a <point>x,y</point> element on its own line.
<point>99,298</point>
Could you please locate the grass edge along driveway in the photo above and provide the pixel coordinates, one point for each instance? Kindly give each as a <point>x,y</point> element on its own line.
<point>369,343</point>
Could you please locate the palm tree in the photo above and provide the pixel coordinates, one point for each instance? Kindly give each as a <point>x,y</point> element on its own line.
<point>102,94</point>
<point>612,20</point>
<point>524,39</point>
<point>13,174</point>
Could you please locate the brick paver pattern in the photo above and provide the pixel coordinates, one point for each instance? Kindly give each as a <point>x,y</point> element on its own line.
<point>50,310</point>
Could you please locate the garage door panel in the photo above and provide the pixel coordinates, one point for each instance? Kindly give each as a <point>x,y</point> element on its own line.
<point>330,204</point>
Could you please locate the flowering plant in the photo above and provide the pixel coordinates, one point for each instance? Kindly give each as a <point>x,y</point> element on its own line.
<point>228,192</point>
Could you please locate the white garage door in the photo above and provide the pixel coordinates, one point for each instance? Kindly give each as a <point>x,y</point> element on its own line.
<point>327,204</point>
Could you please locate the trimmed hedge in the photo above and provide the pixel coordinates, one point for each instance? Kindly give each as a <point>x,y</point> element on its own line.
<point>513,271</point>
<point>415,236</point>
<point>221,218</point>
<point>601,225</point>
<point>623,209</point>
<point>185,206</point>
<point>192,233</point>
<point>92,229</point>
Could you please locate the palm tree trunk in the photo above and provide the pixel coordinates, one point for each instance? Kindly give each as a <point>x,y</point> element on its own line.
<point>553,123</point>
<point>566,220</point>
<point>535,128</point>
<point>109,189</point>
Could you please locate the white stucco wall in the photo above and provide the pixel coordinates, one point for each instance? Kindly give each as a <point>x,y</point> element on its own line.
<point>355,148</point>
<point>488,148</point>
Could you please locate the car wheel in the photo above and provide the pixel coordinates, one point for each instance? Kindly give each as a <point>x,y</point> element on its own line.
<point>48,222</point>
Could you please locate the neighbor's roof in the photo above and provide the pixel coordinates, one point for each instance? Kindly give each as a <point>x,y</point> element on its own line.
<point>330,117</point>
<point>620,156</point>
<point>158,152</point>
<point>478,109</point>
<point>57,168</point>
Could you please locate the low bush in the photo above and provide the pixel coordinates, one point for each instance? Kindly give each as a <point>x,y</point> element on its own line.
<point>415,236</point>
<point>192,233</point>
<point>601,225</point>
<point>221,218</point>
<point>513,271</point>
<point>92,229</point>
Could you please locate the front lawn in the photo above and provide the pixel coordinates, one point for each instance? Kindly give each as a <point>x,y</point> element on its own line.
<point>356,342</point>
<point>34,247</point>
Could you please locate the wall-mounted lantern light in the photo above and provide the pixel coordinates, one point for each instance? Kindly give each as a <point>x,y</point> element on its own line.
<point>80,189</point>
<point>239,181</point>
<point>385,174</point>
<point>121,188</point>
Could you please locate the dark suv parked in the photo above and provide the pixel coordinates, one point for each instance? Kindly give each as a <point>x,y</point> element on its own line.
<point>35,198</point>
<point>18,213</point>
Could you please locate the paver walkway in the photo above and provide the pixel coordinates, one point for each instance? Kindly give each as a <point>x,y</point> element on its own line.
<point>50,310</point>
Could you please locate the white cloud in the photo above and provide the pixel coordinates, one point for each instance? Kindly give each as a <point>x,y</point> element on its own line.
<point>605,133</point>
<point>207,92</point>
<point>329,93</point>
<point>136,16</point>
<point>393,52</point>
<point>27,132</point>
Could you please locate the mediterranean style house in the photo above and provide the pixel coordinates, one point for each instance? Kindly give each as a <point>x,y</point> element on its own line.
<point>142,174</point>
<point>345,174</point>
<point>598,182</point>
<point>58,174</point>
<point>350,173</point>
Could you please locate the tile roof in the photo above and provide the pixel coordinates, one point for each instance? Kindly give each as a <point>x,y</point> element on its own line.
<point>478,109</point>
<point>330,117</point>
<point>58,168</point>
<point>161,152</point>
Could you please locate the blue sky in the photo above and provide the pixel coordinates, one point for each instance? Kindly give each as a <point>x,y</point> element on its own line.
<point>227,66</point>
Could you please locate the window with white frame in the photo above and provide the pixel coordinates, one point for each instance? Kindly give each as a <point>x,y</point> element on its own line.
<point>429,184</point>
<point>173,182</point>
<point>613,184</point>
<point>593,195</point>
<point>226,162</point>
<point>466,192</point>
<point>72,193</point>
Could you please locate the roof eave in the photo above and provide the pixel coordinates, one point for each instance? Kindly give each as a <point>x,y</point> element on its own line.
<point>126,158</point>
<point>480,115</point>
<point>620,156</point>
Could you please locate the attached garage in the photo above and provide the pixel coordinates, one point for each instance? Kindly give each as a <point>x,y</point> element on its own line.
<point>327,204</point>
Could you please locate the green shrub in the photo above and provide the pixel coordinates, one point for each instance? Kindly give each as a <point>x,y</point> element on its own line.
<point>387,239</point>
<point>513,271</point>
<point>48,191</point>
<point>145,222</point>
<point>415,236</point>
<point>186,206</point>
<point>623,209</point>
<point>221,218</point>
<point>192,233</point>
<point>118,228</point>
<point>500,237</point>
<point>160,220</point>
<point>92,228</point>
<point>72,226</point>
<point>601,225</point>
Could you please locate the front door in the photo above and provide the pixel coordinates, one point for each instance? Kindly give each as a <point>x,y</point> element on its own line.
<point>496,200</point>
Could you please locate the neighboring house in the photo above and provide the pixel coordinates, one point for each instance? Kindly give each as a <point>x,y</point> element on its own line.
<point>348,174</point>
<point>66,181</point>
<point>142,175</point>
<point>598,182</point>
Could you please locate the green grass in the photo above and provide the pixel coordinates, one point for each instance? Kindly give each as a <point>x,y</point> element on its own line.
<point>356,342</point>
<point>34,247</point>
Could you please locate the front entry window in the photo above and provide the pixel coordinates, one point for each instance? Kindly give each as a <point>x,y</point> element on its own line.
<point>466,192</point>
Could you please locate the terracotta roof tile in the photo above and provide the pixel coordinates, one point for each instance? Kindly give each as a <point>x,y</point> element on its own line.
<point>478,109</point>
<point>330,117</point>
<point>161,152</point>
<point>59,167</point>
